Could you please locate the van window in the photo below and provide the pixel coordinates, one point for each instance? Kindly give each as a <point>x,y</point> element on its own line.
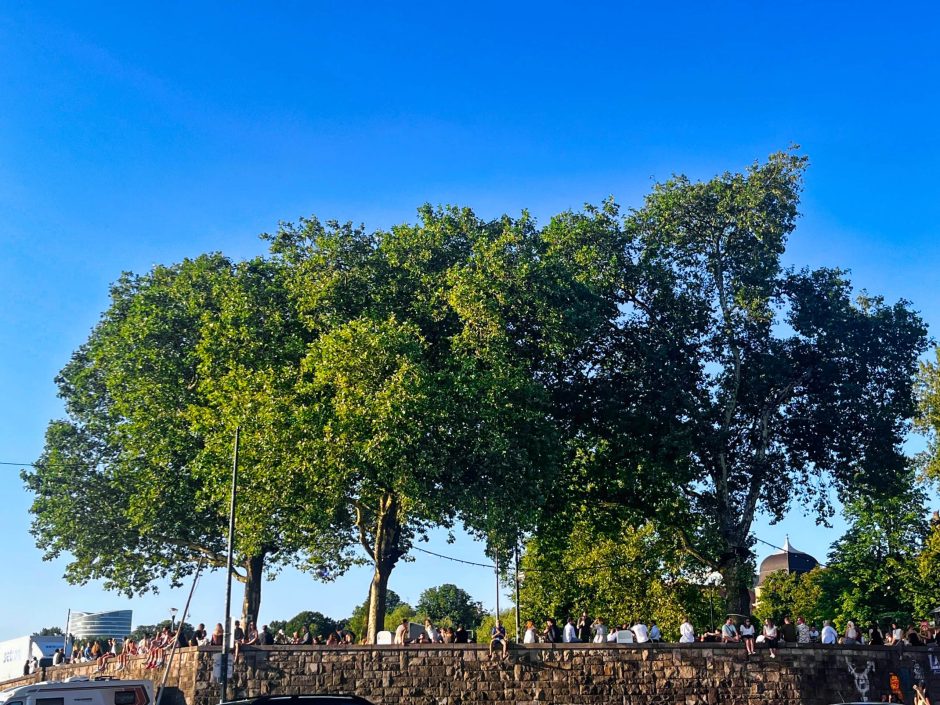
<point>125,697</point>
<point>50,701</point>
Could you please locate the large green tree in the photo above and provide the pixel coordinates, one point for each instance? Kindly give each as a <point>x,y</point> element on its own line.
<point>427,394</point>
<point>134,484</point>
<point>795,386</point>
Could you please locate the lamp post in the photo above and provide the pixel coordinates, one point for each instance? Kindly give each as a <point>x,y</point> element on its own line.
<point>173,612</point>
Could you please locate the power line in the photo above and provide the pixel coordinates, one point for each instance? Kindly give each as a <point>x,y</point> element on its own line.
<point>455,560</point>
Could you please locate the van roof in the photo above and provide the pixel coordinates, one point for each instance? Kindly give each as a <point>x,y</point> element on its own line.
<point>76,684</point>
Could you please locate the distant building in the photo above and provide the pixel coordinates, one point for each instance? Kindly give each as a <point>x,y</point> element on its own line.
<point>115,624</point>
<point>787,559</point>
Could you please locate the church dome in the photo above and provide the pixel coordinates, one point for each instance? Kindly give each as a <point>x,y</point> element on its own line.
<point>788,559</point>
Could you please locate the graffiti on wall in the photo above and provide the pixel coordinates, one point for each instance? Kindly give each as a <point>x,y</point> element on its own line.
<point>862,679</point>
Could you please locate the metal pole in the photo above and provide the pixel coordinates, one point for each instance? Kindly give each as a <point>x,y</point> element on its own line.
<point>65,638</point>
<point>177,633</point>
<point>223,666</point>
<point>518,621</point>
<point>497,584</point>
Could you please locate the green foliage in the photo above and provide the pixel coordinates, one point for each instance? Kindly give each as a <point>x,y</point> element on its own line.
<point>928,417</point>
<point>448,605</point>
<point>183,355</point>
<point>730,385</point>
<point>571,380</point>
<point>621,574</point>
<point>319,624</point>
<point>50,631</point>
<point>794,595</point>
<point>427,388</point>
<point>876,568</point>
<point>396,611</point>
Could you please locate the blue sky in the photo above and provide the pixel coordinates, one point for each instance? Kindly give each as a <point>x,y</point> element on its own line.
<point>132,135</point>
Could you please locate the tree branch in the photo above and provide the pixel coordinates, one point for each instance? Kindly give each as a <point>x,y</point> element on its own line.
<point>361,511</point>
<point>692,551</point>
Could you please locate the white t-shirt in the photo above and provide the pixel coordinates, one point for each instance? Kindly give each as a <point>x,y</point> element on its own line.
<point>600,634</point>
<point>529,636</point>
<point>687,632</point>
<point>829,635</point>
<point>746,630</point>
<point>570,634</point>
<point>641,632</point>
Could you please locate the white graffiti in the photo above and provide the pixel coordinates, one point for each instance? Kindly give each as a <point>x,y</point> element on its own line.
<point>862,681</point>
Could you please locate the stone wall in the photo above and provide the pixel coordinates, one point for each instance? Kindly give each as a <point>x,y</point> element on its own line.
<point>582,674</point>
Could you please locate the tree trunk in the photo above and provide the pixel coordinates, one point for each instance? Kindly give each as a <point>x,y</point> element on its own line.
<point>386,552</point>
<point>737,577</point>
<point>377,595</point>
<point>251,604</point>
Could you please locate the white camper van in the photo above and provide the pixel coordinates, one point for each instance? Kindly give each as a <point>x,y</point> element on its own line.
<point>105,691</point>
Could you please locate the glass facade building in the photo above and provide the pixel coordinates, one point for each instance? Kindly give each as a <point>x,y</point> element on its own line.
<point>112,624</point>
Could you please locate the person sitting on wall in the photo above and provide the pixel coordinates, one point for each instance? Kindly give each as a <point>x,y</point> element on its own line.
<point>747,635</point>
<point>306,639</point>
<point>803,635</point>
<point>266,638</point>
<point>498,639</point>
<point>788,631</point>
<point>250,639</point>
<point>771,636</point>
<point>729,633</point>
<point>529,636</point>
<point>128,649</point>
<point>600,631</point>
<point>584,628</point>
<point>686,632</point>
<point>829,634</point>
<point>200,636</point>
<point>402,633</point>
<point>655,634</point>
<point>569,633</point>
<point>217,635</point>
<point>641,632</point>
<point>551,634</point>
<point>461,636</point>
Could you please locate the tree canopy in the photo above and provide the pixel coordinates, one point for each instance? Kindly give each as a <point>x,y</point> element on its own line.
<point>773,386</point>
<point>134,485</point>
<point>634,386</point>
<point>449,605</point>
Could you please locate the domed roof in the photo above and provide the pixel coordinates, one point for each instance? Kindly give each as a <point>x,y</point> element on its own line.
<point>788,559</point>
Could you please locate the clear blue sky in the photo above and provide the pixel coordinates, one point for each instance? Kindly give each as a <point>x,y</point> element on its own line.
<point>132,135</point>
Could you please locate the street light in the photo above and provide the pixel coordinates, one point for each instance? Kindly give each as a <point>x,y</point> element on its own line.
<point>173,612</point>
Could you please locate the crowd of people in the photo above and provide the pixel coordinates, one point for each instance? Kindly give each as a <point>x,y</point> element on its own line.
<point>744,632</point>
<point>584,629</point>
